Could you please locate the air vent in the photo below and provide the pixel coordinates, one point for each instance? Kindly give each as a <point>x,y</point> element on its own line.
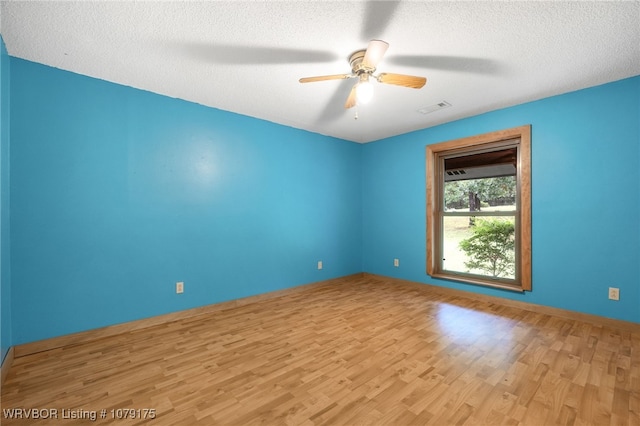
<point>436,107</point>
<point>456,172</point>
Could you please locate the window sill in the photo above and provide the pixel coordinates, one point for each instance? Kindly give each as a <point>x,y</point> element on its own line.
<point>478,281</point>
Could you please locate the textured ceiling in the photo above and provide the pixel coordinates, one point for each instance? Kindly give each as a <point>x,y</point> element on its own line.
<point>247,57</point>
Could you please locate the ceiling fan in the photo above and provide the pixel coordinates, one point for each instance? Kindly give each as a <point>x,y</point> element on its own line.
<point>363,65</point>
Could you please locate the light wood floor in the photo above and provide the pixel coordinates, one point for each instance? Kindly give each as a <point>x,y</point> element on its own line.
<point>367,352</point>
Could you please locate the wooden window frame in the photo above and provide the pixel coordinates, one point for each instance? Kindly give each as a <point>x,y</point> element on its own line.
<point>434,189</point>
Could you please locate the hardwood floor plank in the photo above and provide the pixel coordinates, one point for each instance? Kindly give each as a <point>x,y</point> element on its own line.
<point>362,351</point>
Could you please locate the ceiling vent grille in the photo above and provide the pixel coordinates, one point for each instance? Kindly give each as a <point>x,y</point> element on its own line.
<point>456,172</point>
<point>435,107</point>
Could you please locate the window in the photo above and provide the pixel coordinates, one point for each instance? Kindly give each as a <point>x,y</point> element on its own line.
<point>479,209</point>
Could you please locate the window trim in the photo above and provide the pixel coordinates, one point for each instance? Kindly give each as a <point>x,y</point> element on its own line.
<point>523,133</point>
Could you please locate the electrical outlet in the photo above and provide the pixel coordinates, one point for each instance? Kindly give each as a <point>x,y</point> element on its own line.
<point>319,264</point>
<point>396,262</point>
<point>179,287</point>
<point>614,293</point>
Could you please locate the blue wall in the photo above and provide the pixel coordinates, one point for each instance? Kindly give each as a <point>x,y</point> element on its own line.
<point>5,264</point>
<point>118,193</point>
<point>585,199</point>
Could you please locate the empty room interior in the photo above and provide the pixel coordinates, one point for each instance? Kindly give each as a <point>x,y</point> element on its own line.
<point>320,213</point>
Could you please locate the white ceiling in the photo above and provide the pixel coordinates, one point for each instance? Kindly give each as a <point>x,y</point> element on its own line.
<point>247,56</point>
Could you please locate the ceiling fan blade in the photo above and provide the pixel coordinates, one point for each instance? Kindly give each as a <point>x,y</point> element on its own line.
<point>232,54</point>
<point>351,100</point>
<point>402,80</point>
<point>448,63</point>
<point>333,110</point>
<point>378,15</point>
<point>324,77</point>
<point>375,52</point>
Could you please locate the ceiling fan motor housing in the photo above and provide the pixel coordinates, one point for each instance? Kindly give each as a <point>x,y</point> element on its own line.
<point>355,60</point>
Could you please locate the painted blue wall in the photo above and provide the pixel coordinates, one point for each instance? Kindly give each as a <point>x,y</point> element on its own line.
<point>118,193</point>
<point>5,264</point>
<point>585,199</point>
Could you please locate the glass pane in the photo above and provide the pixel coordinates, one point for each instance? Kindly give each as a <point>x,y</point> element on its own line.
<point>483,245</point>
<point>484,194</point>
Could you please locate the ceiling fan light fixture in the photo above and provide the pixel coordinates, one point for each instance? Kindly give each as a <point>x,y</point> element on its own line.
<point>364,91</point>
